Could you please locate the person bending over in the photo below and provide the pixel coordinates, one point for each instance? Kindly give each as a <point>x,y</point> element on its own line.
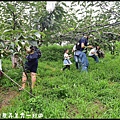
<point>93,53</point>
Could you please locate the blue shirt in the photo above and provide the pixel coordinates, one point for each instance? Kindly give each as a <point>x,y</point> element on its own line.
<point>83,40</point>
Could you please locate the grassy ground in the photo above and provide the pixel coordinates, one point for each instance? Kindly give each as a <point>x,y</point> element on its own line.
<point>68,94</point>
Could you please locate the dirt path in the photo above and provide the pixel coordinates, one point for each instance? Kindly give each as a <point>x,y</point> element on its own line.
<point>5,96</point>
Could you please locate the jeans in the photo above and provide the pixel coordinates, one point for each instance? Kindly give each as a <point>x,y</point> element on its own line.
<point>95,58</point>
<point>84,61</point>
<point>77,61</point>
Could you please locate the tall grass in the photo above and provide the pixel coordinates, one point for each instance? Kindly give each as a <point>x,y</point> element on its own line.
<point>68,94</point>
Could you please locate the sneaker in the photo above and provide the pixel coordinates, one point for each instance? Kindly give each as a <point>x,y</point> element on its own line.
<point>20,89</point>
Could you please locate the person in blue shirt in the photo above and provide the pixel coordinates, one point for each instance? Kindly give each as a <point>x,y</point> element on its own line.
<point>83,50</point>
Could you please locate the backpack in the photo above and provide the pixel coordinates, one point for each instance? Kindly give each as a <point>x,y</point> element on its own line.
<point>78,46</point>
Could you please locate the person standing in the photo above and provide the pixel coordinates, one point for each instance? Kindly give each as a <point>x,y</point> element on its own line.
<point>1,74</point>
<point>76,52</point>
<point>30,66</point>
<point>93,53</point>
<point>66,61</point>
<point>83,50</point>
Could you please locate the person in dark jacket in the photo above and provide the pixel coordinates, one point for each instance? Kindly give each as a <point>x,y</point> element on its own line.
<point>31,65</point>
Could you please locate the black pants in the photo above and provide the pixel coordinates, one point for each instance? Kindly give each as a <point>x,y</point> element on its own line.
<point>66,67</point>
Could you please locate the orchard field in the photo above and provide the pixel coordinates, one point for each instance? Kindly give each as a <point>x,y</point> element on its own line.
<point>61,95</point>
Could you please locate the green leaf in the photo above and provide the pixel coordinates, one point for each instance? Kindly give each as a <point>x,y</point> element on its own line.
<point>3,44</point>
<point>37,34</point>
<point>11,7</point>
<point>7,31</point>
<point>20,44</point>
<point>43,34</point>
